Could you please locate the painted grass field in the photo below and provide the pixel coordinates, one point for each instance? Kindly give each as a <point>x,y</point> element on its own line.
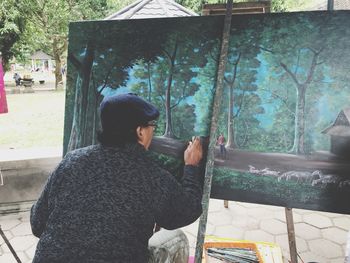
<point>268,190</point>
<point>35,120</point>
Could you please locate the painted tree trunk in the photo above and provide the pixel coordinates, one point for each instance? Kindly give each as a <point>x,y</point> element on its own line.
<point>81,118</point>
<point>168,121</point>
<point>90,117</point>
<point>230,121</point>
<point>168,124</point>
<point>96,121</point>
<point>230,118</point>
<point>299,132</point>
<point>149,82</point>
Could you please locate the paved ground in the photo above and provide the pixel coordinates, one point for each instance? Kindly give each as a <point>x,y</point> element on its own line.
<point>320,237</point>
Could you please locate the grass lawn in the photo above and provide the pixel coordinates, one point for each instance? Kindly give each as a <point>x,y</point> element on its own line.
<point>35,120</point>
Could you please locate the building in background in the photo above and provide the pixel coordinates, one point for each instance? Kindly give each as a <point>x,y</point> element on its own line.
<point>41,61</point>
<point>151,9</point>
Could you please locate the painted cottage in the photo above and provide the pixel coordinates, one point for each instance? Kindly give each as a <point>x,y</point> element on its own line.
<point>339,132</point>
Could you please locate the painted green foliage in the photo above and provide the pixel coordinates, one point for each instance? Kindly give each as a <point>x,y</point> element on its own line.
<point>293,67</point>
<point>285,82</point>
<point>161,63</point>
<point>298,86</point>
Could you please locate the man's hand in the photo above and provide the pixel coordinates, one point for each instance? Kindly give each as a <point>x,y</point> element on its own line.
<point>194,152</point>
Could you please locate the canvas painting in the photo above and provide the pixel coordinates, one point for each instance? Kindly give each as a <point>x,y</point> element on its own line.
<point>171,63</point>
<point>283,133</point>
<point>285,116</point>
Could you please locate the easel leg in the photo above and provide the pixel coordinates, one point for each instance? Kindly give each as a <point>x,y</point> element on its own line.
<point>9,246</point>
<point>291,236</point>
<point>213,128</point>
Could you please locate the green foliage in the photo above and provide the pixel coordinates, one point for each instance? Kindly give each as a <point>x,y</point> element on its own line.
<point>276,5</point>
<point>116,5</point>
<point>12,25</point>
<point>48,24</point>
<point>286,5</point>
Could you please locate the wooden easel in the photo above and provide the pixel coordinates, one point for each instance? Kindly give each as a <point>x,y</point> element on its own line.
<point>216,110</point>
<point>291,235</point>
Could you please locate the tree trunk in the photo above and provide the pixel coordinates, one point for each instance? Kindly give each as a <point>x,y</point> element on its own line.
<point>80,116</point>
<point>57,56</point>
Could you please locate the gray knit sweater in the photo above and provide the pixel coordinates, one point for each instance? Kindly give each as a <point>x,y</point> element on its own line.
<point>101,203</point>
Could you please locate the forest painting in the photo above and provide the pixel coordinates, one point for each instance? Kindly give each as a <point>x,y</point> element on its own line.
<point>284,121</point>
<point>285,114</point>
<point>169,62</point>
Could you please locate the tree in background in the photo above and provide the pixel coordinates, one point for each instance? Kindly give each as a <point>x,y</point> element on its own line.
<point>49,21</point>
<point>12,26</point>
<point>276,5</point>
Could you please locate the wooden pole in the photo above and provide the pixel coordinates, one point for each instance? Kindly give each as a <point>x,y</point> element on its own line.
<point>330,5</point>
<point>9,246</point>
<point>216,110</point>
<point>291,236</point>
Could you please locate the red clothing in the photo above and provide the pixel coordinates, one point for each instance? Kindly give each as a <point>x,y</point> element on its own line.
<point>221,140</point>
<point>3,101</point>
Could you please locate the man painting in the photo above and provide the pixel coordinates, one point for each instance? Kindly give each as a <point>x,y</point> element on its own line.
<point>101,203</point>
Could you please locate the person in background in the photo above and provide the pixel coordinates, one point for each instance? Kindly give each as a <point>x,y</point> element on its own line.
<point>221,142</point>
<point>17,79</point>
<point>102,202</point>
<point>63,70</point>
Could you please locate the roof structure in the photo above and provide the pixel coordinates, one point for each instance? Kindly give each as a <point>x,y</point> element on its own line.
<point>341,125</point>
<point>151,9</point>
<point>40,55</point>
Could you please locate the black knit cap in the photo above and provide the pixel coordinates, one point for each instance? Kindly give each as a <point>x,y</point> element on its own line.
<point>126,112</point>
